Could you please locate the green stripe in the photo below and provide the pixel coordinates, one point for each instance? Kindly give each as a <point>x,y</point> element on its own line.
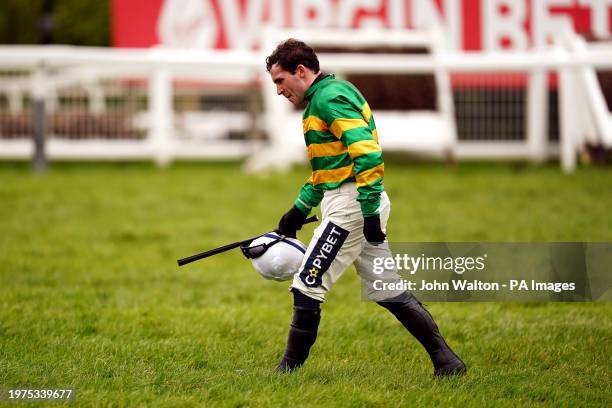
<point>371,123</point>
<point>356,135</point>
<point>336,100</point>
<point>310,194</point>
<point>343,111</point>
<point>371,191</point>
<point>330,162</point>
<point>314,136</point>
<point>342,92</point>
<point>357,98</point>
<point>367,161</point>
<point>331,186</point>
<point>369,197</point>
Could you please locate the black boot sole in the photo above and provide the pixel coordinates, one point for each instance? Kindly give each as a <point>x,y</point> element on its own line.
<point>456,367</point>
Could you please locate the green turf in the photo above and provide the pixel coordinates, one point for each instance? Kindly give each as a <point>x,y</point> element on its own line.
<point>91,297</point>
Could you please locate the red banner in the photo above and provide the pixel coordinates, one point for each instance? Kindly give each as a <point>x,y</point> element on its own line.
<point>470,24</point>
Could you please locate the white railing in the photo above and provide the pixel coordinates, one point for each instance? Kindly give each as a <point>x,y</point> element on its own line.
<point>52,69</point>
<point>584,114</point>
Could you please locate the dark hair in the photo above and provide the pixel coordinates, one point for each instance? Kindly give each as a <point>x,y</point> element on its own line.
<point>292,53</point>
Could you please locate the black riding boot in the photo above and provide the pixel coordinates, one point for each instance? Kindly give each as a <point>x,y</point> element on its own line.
<point>302,332</point>
<point>417,320</point>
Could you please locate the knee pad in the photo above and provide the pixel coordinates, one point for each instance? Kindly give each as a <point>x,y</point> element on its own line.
<point>306,302</point>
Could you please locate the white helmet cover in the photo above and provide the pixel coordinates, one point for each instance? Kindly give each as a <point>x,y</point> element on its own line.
<point>282,260</point>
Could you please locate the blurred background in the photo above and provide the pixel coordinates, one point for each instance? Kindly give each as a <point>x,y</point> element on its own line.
<point>185,79</point>
<point>494,116</point>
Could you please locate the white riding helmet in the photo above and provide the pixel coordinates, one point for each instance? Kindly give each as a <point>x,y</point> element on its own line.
<point>274,256</point>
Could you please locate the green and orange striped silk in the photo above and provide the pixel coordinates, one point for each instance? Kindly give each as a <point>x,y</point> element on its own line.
<point>342,145</point>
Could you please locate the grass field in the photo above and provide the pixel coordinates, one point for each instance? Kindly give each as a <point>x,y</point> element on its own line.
<point>91,297</point>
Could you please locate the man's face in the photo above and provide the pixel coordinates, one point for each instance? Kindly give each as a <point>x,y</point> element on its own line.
<point>291,86</point>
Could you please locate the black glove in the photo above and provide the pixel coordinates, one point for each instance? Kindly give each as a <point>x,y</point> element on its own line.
<point>372,231</point>
<point>291,222</point>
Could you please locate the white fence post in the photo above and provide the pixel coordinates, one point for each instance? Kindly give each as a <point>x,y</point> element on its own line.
<point>567,115</point>
<point>446,104</point>
<point>161,118</point>
<point>537,115</point>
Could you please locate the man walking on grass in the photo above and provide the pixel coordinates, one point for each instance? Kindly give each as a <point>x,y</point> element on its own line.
<point>347,181</point>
